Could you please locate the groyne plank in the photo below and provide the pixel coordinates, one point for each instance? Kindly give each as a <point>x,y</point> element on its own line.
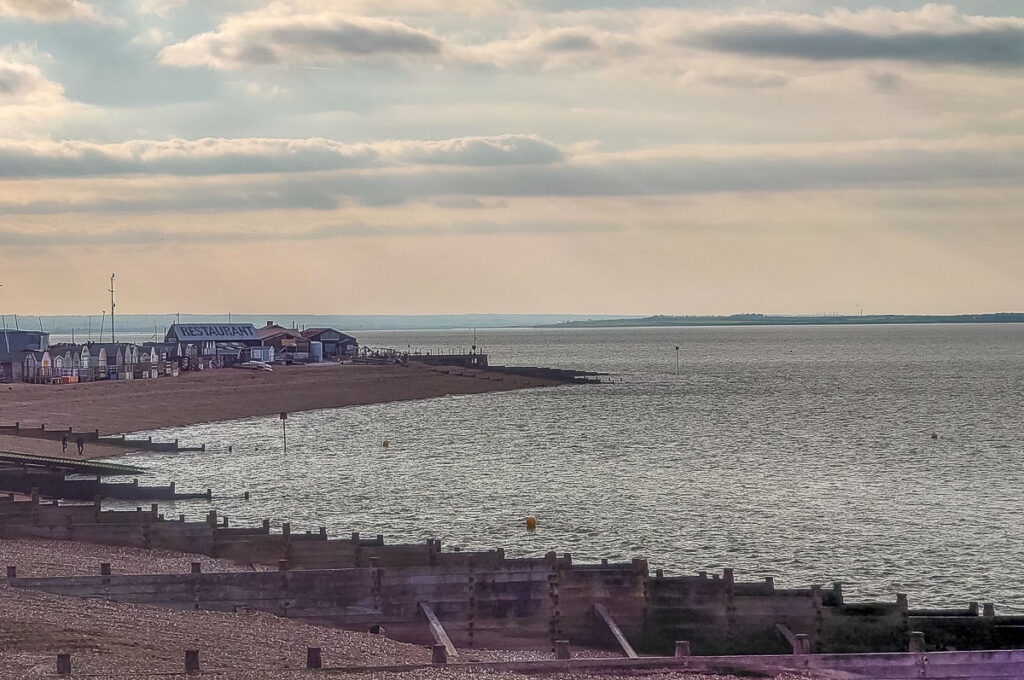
<point>437,630</point>
<point>627,648</point>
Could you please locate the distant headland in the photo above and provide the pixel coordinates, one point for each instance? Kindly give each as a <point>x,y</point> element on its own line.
<point>785,320</point>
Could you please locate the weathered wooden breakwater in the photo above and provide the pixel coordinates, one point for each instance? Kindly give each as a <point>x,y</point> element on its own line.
<point>484,599</point>
<point>120,440</point>
<point>49,476</point>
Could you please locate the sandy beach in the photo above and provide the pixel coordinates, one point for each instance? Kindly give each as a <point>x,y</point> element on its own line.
<point>225,394</point>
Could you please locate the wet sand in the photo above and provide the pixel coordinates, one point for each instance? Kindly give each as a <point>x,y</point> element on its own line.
<point>226,394</point>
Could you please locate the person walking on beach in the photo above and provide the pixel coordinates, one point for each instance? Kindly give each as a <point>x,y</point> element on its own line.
<point>81,445</point>
<point>64,443</point>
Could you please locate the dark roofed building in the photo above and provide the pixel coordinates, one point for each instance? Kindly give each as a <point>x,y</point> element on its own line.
<point>335,343</point>
<point>14,346</point>
<point>207,339</point>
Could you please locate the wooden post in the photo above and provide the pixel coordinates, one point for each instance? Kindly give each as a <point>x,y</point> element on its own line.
<point>803,645</point>
<point>63,664</point>
<point>438,654</point>
<point>682,648</point>
<point>12,571</point>
<point>282,565</point>
<point>105,569</point>
<point>314,658</point>
<point>191,660</point>
<point>916,641</point>
<point>197,567</point>
<point>562,650</point>
<point>988,610</point>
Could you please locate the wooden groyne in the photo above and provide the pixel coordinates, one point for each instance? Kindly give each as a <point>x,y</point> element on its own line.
<point>483,598</point>
<point>48,476</point>
<point>120,440</point>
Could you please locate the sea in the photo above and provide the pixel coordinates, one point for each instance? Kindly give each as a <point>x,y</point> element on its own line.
<point>888,458</point>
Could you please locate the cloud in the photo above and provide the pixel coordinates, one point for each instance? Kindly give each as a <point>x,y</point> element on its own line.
<point>153,37</point>
<point>22,83</point>
<point>29,102</point>
<point>741,77</point>
<point>501,150</point>
<point>887,81</point>
<point>161,8</point>
<point>50,11</point>
<point>218,156</point>
<point>282,35</point>
<point>667,171</point>
<point>933,33</point>
<point>354,229</point>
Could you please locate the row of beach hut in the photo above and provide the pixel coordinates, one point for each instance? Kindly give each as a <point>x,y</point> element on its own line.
<point>69,363</point>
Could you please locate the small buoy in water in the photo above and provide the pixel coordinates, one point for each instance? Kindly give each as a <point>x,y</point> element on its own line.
<point>531,523</point>
<point>385,444</point>
<point>246,495</point>
<point>934,436</point>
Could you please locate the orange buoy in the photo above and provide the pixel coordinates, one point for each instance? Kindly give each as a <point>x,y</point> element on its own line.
<point>531,523</point>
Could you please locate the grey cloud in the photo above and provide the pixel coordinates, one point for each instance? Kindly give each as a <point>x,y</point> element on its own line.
<point>994,47</point>
<point>886,80</point>
<point>49,10</point>
<point>569,41</point>
<point>15,82</point>
<point>260,155</point>
<point>746,79</point>
<point>192,199</point>
<point>500,150</point>
<point>269,37</point>
<point>344,39</point>
<point>136,236</point>
<point>966,162</point>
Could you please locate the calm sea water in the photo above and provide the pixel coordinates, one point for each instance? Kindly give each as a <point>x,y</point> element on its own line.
<point>889,458</point>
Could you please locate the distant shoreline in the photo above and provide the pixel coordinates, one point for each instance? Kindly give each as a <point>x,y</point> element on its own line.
<point>115,406</point>
<point>781,320</point>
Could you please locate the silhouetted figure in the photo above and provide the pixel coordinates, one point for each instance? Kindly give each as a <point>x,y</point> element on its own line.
<point>64,443</point>
<point>81,445</point>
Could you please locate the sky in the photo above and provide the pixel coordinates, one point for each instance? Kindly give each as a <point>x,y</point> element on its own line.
<point>511,156</point>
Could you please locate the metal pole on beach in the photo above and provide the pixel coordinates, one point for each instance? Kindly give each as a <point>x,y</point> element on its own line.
<point>284,429</point>
<point>677,359</point>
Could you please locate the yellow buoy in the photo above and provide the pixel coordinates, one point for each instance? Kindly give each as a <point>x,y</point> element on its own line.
<point>385,443</point>
<point>531,523</point>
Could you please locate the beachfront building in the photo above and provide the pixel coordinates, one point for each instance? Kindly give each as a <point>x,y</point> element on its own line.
<point>288,343</point>
<point>336,345</point>
<point>206,345</point>
<point>15,346</point>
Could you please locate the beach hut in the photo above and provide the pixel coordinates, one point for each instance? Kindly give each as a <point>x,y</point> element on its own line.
<point>147,365</point>
<point>167,356</point>
<point>45,366</point>
<point>87,364</point>
<point>110,364</point>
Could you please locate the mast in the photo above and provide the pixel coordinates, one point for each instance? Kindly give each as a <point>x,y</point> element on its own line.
<point>112,339</point>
